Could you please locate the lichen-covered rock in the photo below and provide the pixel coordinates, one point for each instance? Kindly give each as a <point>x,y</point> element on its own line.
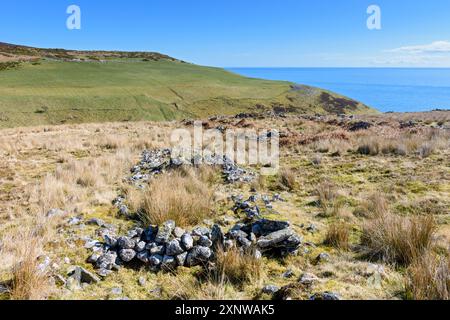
<point>174,248</point>
<point>181,259</point>
<point>325,296</point>
<point>204,241</point>
<point>198,255</point>
<point>126,243</point>
<point>217,236</point>
<point>155,260</point>
<point>143,256</point>
<point>165,231</point>
<point>127,255</point>
<point>264,227</point>
<point>168,263</point>
<point>187,242</point>
<point>140,246</point>
<point>106,261</point>
<point>274,238</point>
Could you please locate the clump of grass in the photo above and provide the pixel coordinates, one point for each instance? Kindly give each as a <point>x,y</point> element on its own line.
<point>329,200</point>
<point>369,146</point>
<point>177,196</point>
<point>375,206</point>
<point>396,239</point>
<point>287,179</point>
<point>429,278</point>
<point>237,267</point>
<point>28,282</point>
<point>338,236</point>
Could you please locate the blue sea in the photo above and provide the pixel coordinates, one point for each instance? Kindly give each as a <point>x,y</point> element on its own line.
<point>385,89</point>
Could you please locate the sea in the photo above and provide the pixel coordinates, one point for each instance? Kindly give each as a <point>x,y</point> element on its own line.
<point>385,89</point>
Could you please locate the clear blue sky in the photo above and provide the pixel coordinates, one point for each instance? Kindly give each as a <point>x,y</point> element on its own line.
<point>233,33</point>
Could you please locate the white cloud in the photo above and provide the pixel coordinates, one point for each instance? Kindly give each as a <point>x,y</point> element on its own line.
<point>434,47</point>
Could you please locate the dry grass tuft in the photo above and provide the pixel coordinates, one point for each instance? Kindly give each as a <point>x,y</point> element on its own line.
<point>287,179</point>
<point>338,236</point>
<point>399,240</point>
<point>238,267</point>
<point>178,196</point>
<point>429,278</point>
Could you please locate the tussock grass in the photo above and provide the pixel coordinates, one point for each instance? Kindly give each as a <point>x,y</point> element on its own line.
<point>181,197</point>
<point>396,239</point>
<point>338,236</point>
<point>429,278</point>
<point>237,267</point>
<point>287,179</point>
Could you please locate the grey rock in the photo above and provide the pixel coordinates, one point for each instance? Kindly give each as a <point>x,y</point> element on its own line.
<point>96,222</point>
<point>74,221</point>
<point>155,260</point>
<point>123,210</point>
<point>181,259</point>
<point>270,289</point>
<point>116,291</point>
<point>187,242</point>
<point>93,258</point>
<point>308,279</point>
<point>104,272</point>
<point>160,250</point>
<point>165,231</point>
<point>198,255</point>
<point>142,281</point>
<point>140,246</point>
<point>106,261</point>
<point>264,227</point>
<point>149,234</point>
<point>322,257</point>
<point>288,274</point>
<point>126,243</point>
<point>204,241</point>
<point>81,275</point>
<point>178,232</point>
<point>236,234</point>
<point>143,256</point>
<point>228,244</point>
<point>54,213</point>
<point>169,263</point>
<point>110,241</point>
<point>274,238</point>
<point>201,231</point>
<point>217,236</point>
<point>174,248</point>
<point>127,255</point>
<point>325,296</point>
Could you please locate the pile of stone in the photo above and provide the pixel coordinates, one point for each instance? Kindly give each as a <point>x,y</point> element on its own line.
<point>155,162</point>
<point>167,247</point>
<point>250,206</point>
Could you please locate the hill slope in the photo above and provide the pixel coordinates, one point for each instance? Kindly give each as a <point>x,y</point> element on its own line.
<point>54,86</point>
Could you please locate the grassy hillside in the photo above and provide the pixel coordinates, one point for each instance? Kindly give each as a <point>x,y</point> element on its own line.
<point>56,86</point>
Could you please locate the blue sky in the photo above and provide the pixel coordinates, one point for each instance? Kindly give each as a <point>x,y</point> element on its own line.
<point>243,33</point>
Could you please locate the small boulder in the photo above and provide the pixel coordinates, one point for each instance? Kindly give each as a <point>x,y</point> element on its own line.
<point>165,231</point>
<point>126,243</point>
<point>187,242</point>
<point>174,248</point>
<point>270,289</point>
<point>127,255</point>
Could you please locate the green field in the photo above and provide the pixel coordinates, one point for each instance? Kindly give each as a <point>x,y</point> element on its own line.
<point>52,91</point>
